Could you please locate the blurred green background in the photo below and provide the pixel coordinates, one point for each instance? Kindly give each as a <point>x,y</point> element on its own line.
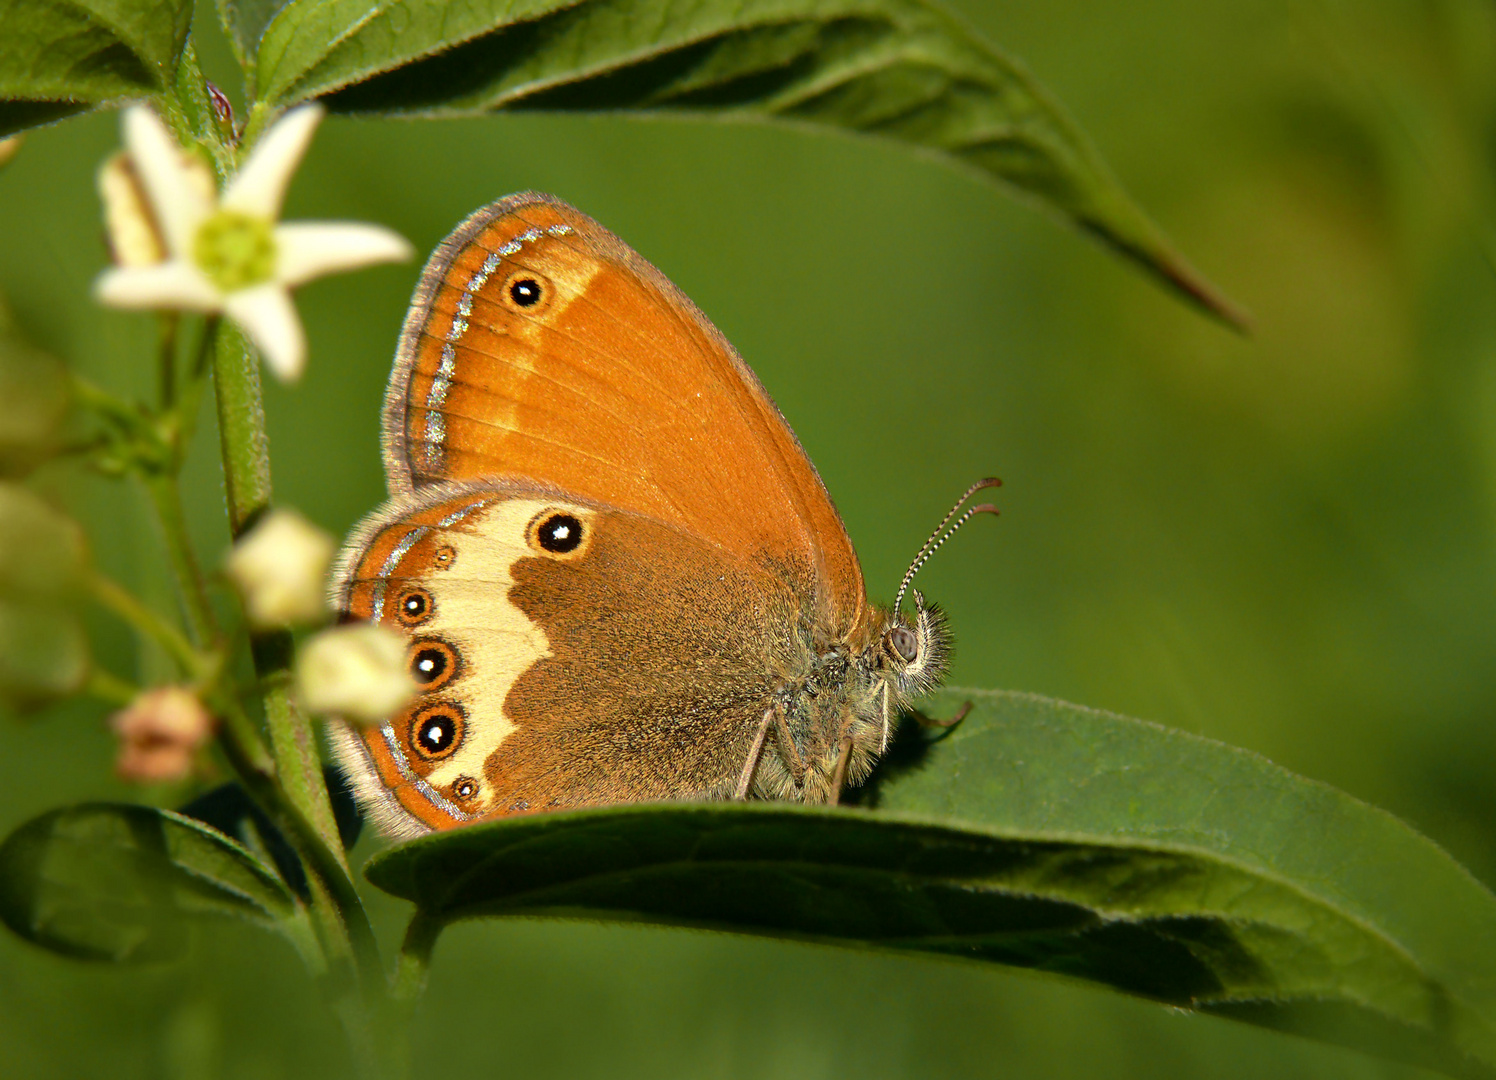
<point>1287,543</point>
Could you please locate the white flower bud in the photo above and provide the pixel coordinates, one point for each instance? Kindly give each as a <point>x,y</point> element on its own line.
<point>356,672</point>
<point>280,567</point>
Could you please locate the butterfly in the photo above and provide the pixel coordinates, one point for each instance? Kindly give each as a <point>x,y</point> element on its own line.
<point>620,576</point>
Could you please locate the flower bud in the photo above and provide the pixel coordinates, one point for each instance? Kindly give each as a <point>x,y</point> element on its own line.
<point>33,400</point>
<point>159,733</point>
<point>43,649</point>
<point>8,148</point>
<point>280,567</point>
<point>42,553</point>
<point>356,672</point>
<point>43,652</point>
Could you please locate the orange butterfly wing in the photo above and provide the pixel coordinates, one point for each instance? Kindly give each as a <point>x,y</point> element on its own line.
<point>541,347</point>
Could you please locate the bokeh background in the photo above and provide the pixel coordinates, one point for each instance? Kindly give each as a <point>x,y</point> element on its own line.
<point>1287,543</point>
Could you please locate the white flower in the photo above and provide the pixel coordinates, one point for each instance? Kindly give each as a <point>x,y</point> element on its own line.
<point>228,253</point>
<point>356,671</point>
<point>280,566</point>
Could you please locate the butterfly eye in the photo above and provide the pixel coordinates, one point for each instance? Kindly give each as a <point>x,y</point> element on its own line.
<point>904,643</point>
<point>436,730</point>
<point>558,532</point>
<point>414,607</point>
<point>445,556</point>
<point>433,663</point>
<point>465,787</point>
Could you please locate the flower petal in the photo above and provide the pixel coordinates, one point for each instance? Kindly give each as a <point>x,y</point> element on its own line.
<point>261,184</point>
<point>175,197</point>
<point>174,285</point>
<point>266,314</point>
<point>311,249</point>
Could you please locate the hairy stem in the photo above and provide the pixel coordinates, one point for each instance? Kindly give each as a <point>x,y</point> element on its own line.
<point>301,794</point>
<point>246,472</point>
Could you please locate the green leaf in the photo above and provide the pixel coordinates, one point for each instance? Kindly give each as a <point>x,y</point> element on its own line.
<point>244,21</point>
<point>62,56</point>
<point>124,883</point>
<point>1048,836</point>
<point>900,69</point>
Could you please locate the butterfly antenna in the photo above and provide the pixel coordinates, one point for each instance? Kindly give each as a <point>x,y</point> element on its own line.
<point>942,534</point>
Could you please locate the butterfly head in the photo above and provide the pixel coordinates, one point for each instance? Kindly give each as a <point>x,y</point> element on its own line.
<point>914,653</point>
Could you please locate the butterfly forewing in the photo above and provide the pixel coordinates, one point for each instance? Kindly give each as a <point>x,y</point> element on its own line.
<point>541,347</point>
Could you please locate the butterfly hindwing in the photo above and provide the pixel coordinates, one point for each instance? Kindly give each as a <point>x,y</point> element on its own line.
<point>569,654</point>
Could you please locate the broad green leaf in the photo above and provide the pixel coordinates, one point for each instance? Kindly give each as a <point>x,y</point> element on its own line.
<point>124,883</point>
<point>62,56</point>
<point>899,69</point>
<point>1048,836</point>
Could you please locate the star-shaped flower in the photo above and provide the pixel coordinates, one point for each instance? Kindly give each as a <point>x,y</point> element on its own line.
<point>228,253</point>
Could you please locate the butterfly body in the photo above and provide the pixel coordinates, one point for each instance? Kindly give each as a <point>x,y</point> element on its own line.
<point>620,576</point>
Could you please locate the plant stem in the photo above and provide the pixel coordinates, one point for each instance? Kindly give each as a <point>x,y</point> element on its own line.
<point>166,495</point>
<point>147,623</point>
<point>170,321</point>
<point>246,471</point>
<point>109,687</point>
<point>409,982</point>
<point>301,793</point>
<point>414,961</point>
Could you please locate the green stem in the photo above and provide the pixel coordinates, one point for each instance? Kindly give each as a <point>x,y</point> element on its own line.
<point>259,779</point>
<point>414,961</point>
<point>110,688</point>
<point>170,321</point>
<point>147,623</point>
<point>246,470</point>
<point>166,495</point>
<point>312,828</point>
<point>406,988</point>
<point>345,941</point>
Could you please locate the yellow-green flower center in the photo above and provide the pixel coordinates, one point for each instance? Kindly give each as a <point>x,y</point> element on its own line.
<point>235,250</point>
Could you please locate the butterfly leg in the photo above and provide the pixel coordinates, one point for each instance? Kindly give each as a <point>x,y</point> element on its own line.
<point>786,743</point>
<point>839,774</point>
<point>931,722</point>
<point>755,755</point>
